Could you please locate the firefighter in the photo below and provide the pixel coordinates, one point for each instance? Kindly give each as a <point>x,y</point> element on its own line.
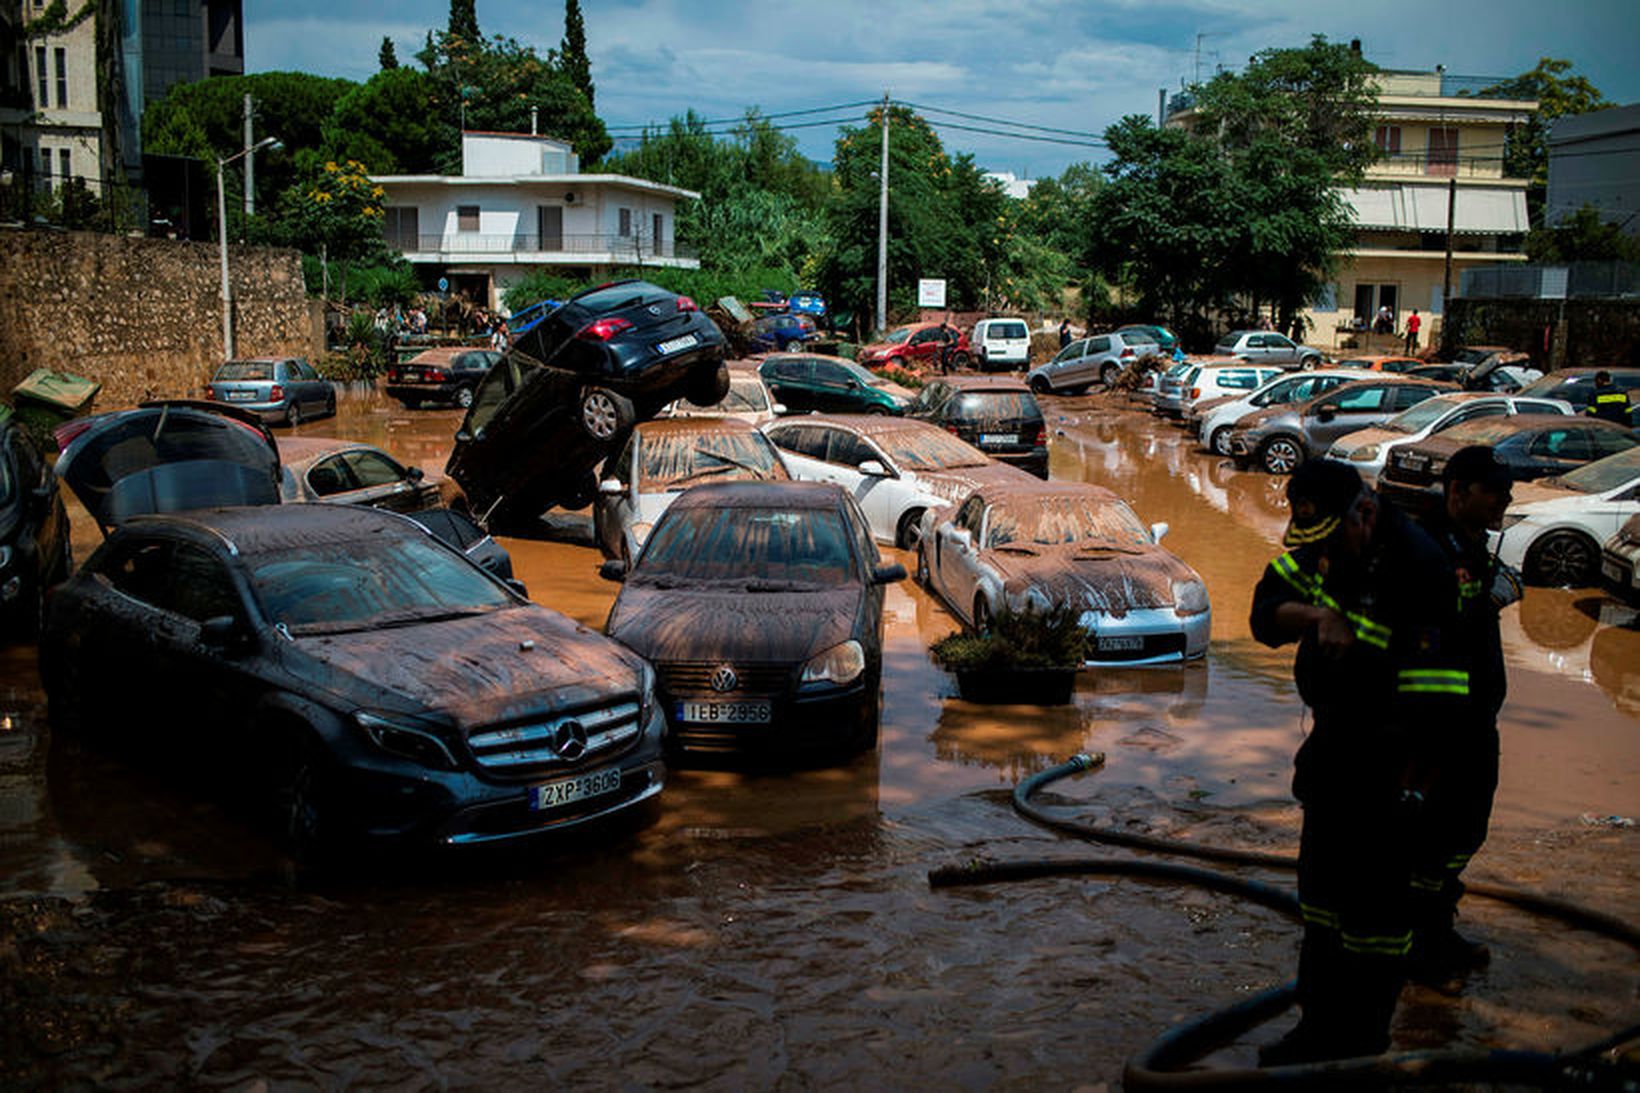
<point>1609,401</point>
<point>1370,601</point>
<point>1477,491</point>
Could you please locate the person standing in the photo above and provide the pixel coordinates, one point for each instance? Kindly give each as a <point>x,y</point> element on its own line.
<point>1385,323</point>
<point>1476,492</point>
<point>1064,333</point>
<point>1608,402</point>
<point>1413,325</point>
<point>948,344</point>
<point>1370,602</point>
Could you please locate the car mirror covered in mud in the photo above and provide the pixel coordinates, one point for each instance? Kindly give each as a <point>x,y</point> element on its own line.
<point>416,474</point>
<point>517,586</point>
<point>887,574</point>
<point>1326,410</point>
<point>613,570</point>
<point>963,539</point>
<point>1157,531</point>
<point>874,469</point>
<point>223,632</point>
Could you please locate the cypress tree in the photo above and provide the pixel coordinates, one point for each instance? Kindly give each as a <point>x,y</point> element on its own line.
<point>388,57</point>
<point>464,21</point>
<point>573,50</point>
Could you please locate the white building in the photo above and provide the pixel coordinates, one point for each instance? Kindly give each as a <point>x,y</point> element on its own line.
<point>521,203</point>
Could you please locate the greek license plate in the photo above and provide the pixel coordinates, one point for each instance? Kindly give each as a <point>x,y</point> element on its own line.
<point>676,344</point>
<point>999,438</point>
<point>570,790</point>
<point>742,713</point>
<point>1414,462</point>
<point>241,396</point>
<point>1120,645</point>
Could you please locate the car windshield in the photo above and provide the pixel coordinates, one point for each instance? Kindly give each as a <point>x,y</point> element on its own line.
<point>673,461</point>
<point>340,587</point>
<point>895,337</point>
<point>744,395</point>
<point>929,450</point>
<point>1282,390</point>
<point>246,370</point>
<point>1068,518</point>
<point>764,549</point>
<point>1422,415</point>
<point>864,375</point>
<point>1604,474</point>
<point>996,406</point>
<point>1557,385</point>
<point>1472,356</point>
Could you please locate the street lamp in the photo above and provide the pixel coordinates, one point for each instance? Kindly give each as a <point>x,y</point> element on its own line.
<point>222,238</point>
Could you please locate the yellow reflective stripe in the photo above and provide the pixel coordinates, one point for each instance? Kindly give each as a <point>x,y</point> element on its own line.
<point>1432,681</point>
<point>1428,884</point>
<point>1309,586</point>
<point>1373,633</point>
<point>1612,397</point>
<point>1434,689</point>
<point>1378,944</point>
<point>1320,916</point>
<point>1287,569</point>
<point>1457,862</point>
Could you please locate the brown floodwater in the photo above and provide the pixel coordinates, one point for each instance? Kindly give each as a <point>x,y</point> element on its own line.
<point>775,930</point>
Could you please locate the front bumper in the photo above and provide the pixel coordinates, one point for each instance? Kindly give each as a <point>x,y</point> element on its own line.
<point>1161,637</point>
<point>1619,575</point>
<point>823,720</point>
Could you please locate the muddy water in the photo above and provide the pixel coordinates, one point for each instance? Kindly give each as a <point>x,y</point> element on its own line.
<point>775,929</point>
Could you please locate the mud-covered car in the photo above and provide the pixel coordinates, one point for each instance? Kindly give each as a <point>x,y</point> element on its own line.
<point>348,472</point>
<point>895,468</point>
<point>999,415</point>
<point>1280,437</point>
<point>444,375</point>
<point>761,607</point>
<point>663,458</point>
<point>565,393</point>
<point>1620,560</point>
<point>1048,544</point>
<point>748,399</point>
<point>458,531</point>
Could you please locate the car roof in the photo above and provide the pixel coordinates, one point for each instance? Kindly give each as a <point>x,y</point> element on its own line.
<point>809,357</point>
<point>969,384</point>
<point>257,529</point>
<point>1525,423</point>
<point>1383,357</point>
<point>864,424</point>
<point>257,360</point>
<point>1037,489</point>
<point>698,425</point>
<point>444,352</point>
<point>762,494</point>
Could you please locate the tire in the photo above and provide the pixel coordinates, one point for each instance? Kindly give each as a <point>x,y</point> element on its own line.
<point>1219,442</point>
<point>1041,386</point>
<point>330,405</point>
<point>908,533</point>
<point>293,414</point>
<point>959,359</point>
<point>302,799</point>
<point>605,415</point>
<point>464,397</point>
<point>876,409</point>
<point>1281,455</point>
<point>1108,373</point>
<point>1310,362</point>
<point>1563,558</point>
<point>982,616</point>
<point>707,388</point>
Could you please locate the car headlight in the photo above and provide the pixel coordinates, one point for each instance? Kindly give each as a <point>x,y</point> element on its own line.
<point>1189,597</point>
<point>646,693</point>
<point>5,556</point>
<point>842,663</point>
<point>1364,454</point>
<point>397,736</point>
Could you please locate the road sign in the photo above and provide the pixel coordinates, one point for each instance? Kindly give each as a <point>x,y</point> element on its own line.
<point>931,292</point>
<point>444,284</point>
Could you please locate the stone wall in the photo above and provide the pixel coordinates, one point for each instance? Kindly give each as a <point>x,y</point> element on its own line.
<point>143,317</point>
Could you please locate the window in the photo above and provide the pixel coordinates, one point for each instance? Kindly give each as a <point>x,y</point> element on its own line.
<point>62,77</point>
<point>45,167</point>
<point>1388,139</point>
<point>466,218</point>
<point>1363,401</point>
<point>1234,379</point>
<point>848,450</point>
<point>1098,345</point>
<point>1326,298</point>
<point>374,469</point>
<point>1443,151</point>
<point>41,101</point>
<point>65,164</point>
<point>1410,395</point>
<point>658,227</point>
<point>969,515</point>
<point>402,228</point>
<point>625,223</point>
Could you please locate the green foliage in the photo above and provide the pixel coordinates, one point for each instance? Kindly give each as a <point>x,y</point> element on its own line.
<point>337,206</point>
<point>384,286</point>
<point>539,285</point>
<point>394,123</point>
<point>572,51</point>
<point>463,23</point>
<point>1054,638</point>
<point>1583,237</point>
<point>387,57</point>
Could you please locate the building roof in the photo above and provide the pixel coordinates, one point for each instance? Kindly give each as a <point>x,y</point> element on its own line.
<point>571,180</point>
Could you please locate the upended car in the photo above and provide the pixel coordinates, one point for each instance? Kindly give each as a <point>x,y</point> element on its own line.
<point>566,392</point>
<point>1042,545</point>
<point>760,605</point>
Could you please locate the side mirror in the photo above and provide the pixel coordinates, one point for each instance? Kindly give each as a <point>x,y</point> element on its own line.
<point>1327,411</point>
<point>1157,531</point>
<point>517,586</point>
<point>853,384</point>
<point>611,487</point>
<point>873,469</point>
<point>415,474</point>
<point>963,539</point>
<point>463,436</point>
<point>221,632</point>
<point>613,570</point>
<point>778,408</point>
<point>887,574</point>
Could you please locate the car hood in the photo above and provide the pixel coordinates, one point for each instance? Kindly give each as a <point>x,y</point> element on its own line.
<point>1203,406</point>
<point>958,482</point>
<point>723,620</point>
<point>476,670</point>
<point>1540,499</point>
<point>1087,577</point>
<point>1362,437</point>
<point>169,457</point>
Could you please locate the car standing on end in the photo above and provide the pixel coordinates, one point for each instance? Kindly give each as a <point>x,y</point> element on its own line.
<point>761,607</point>
<point>283,390</point>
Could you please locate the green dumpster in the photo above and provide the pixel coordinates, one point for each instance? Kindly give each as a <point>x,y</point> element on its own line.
<point>47,398</point>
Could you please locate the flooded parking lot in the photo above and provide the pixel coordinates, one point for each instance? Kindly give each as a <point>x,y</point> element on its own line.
<point>775,929</point>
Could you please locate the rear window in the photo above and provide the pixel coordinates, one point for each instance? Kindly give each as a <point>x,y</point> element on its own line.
<point>1006,330</point>
<point>1226,344</point>
<point>246,370</point>
<point>999,405</point>
<point>615,297</point>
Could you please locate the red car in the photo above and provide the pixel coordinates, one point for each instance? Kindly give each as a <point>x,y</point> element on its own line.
<point>917,345</point>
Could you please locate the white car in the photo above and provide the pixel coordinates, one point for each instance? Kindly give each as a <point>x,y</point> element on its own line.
<point>1001,344</point>
<point>1367,450</point>
<point>1040,545</point>
<point>748,399</point>
<point>660,460</point>
<point>1210,380</point>
<point>1553,531</point>
<point>896,468</point>
<point>1218,421</point>
<point>1620,561</point>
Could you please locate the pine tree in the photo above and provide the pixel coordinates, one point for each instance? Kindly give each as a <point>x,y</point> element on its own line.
<point>572,51</point>
<point>464,21</point>
<point>388,57</point>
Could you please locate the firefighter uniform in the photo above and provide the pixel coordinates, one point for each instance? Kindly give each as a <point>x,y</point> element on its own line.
<point>1609,403</point>
<point>1380,707</point>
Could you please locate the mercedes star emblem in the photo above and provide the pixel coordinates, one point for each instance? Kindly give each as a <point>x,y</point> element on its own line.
<point>569,740</point>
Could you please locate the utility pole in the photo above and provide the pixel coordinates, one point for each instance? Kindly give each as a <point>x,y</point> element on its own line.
<point>250,163</point>
<point>1451,213</point>
<point>882,228</point>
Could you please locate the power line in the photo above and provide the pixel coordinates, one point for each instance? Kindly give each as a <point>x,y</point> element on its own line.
<point>742,120</point>
<point>1003,121</point>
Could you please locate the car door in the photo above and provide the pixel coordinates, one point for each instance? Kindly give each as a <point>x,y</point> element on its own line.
<point>802,449</point>
<point>881,497</point>
<point>1555,451</point>
<point>835,390</point>
<point>924,345</point>
<point>790,379</point>
<point>221,681</point>
<point>384,483</point>
<point>1352,410</point>
<point>1085,368</point>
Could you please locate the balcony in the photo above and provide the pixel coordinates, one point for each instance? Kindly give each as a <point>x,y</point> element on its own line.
<point>528,247</point>
<point>1402,165</point>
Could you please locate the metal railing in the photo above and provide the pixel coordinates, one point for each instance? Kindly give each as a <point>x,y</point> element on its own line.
<point>1572,281</point>
<point>634,248</point>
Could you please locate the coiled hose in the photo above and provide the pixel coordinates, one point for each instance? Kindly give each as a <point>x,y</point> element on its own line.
<point>1155,1068</point>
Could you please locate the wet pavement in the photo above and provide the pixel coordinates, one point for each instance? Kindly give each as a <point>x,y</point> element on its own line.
<point>775,930</point>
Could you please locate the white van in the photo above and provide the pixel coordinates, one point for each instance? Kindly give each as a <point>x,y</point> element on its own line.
<point>1001,344</point>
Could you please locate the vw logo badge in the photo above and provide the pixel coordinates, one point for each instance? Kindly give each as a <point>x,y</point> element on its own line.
<point>724,679</point>
<point>569,740</point>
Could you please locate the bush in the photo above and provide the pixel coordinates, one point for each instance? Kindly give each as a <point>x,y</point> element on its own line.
<point>1054,638</point>
<point>537,286</point>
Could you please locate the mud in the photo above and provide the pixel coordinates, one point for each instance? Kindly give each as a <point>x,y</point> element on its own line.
<point>774,930</point>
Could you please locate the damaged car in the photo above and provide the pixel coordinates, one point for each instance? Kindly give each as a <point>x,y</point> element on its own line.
<point>760,605</point>
<point>1041,545</point>
<point>338,666</point>
<point>566,392</point>
<point>347,472</point>
<point>662,459</point>
<point>999,415</point>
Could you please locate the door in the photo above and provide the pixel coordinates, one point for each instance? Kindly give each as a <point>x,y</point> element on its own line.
<point>549,227</point>
<point>1085,368</point>
<point>1355,410</point>
<point>960,563</point>
<point>790,381</point>
<point>833,388</point>
<point>1556,451</point>
<point>880,497</point>
<point>315,391</point>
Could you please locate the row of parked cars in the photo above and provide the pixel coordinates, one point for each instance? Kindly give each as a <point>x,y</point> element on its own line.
<point>1579,475</point>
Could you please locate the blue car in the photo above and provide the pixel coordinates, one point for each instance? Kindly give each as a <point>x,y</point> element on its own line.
<point>777,333</point>
<point>807,303</point>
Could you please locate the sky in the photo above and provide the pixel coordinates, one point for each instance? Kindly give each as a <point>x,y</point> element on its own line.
<point>1061,65</point>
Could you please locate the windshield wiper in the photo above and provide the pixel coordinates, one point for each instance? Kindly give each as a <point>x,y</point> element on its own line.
<point>761,472</point>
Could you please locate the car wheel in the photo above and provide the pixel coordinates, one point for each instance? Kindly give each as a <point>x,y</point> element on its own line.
<point>464,397</point>
<point>604,414</point>
<point>1108,373</point>
<point>330,405</point>
<point>959,359</point>
<point>1281,455</point>
<point>1041,386</point>
<point>909,532</point>
<point>293,414</point>
<point>876,408</point>
<point>982,616</point>
<point>302,801</point>
<point>1219,443</point>
<point>707,387</point>
<point>1563,558</point>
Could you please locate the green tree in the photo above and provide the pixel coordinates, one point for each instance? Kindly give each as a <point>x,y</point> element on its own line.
<point>572,51</point>
<point>394,123</point>
<point>1583,237</point>
<point>1526,149</point>
<point>387,57</point>
<point>463,24</point>
<point>338,206</point>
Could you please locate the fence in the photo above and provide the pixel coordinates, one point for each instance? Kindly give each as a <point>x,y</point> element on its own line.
<point>626,248</point>
<point>1573,281</point>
